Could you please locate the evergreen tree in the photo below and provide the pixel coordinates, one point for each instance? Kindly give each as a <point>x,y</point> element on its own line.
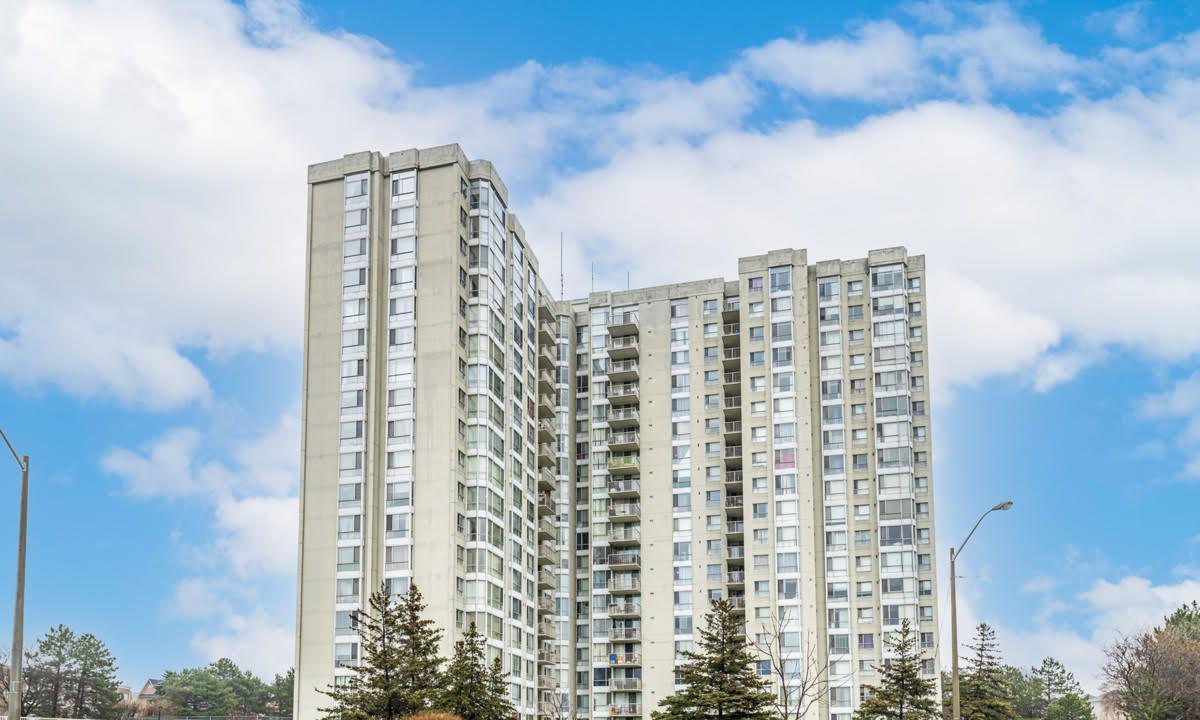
<point>48,672</point>
<point>219,688</point>
<point>93,680</point>
<point>984,688</point>
<point>1025,693</point>
<point>902,693</point>
<point>282,691</point>
<point>471,689</point>
<point>1071,706</point>
<point>1056,681</point>
<point>719,674</point>
<point>399,670</point>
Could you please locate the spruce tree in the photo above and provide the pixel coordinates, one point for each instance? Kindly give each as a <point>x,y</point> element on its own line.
<point>1071,706</point>
<point>399,668</point>
<point>719,674</point>
<point>902,693</point>
<point>471,689</point>
<point>984,687</point>
<point>1056,681</point>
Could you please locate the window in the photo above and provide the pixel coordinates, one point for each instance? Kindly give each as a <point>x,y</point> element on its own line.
<point>754,284</point>
<point>781,279</point>
<point>828,290</point>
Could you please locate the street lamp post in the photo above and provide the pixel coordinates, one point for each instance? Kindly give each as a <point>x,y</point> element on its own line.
<point>18,640</point>
<point>957,714</point>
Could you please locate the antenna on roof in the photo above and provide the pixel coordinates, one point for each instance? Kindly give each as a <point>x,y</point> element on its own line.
<point>593,276</point>
<point>562,283</point>
<point>626,279</point>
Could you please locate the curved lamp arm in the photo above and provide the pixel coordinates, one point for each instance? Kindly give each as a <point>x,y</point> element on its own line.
<point>1000,506</point>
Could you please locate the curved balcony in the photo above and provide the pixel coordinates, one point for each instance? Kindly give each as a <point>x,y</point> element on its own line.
<point>623,464</point>
<point>630,487</point>
<point>623,394</point>
<point>621,441</point>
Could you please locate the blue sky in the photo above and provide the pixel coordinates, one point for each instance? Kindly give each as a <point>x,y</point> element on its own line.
<point>1043,155</point>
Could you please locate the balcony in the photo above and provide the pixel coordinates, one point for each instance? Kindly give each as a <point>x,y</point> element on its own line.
<point>625,560</point>
<point>545,381</point>
<point>623,394</point>
<point>628,440</point>
<point>546,357</point>
<point>733,477</point>
<point>731,358</point>
<point>627,684</point>
<point>546,431</point>
<point>546,605</point>
<point>625,511</point>
<point>547,456</point>
<point>621,348</point>
<point>546,529</point>
<point>621,324</point>
<point>737,577</point>
<point>546,580</point>
<point>546,481</point>
<point>546,407</point>
<point>546,333</point>
<point>732,429</point>
<point>547,554</point>
<point>623,370</point>
<point>624,537</point>
<point>628,710</point>
<point>625,585</point>
<point>547,656</point>
<point>625,634</point>
<point>731,334</point>
<point>625,659</point>
<point>627,488</point>
<point>731,310</point>
<point>737,553</point>
<point>731,381</point>
<point>546,506</point>
<point>734,502</point>
<point>623,417</point>
<point>735,527</point>
<point>624,609</point>
<point>623,464</point>
<point>733,407</point>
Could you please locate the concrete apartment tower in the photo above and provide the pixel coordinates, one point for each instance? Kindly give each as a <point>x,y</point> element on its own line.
<point>580,478</point>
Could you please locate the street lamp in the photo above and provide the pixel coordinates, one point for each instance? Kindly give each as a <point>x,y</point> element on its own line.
<point>18,641</point>
<point>957,715</point>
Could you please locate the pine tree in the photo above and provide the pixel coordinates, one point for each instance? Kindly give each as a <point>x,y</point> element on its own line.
<point>984,687</point>
<point>93,679</point>
<point>48,672</point>
<point>902,693</point>
<point>1025,693</point>
<point>399,671</point>
<point>719,674</point>
<point>1071,706</point>
<point>1056,681</point>
<point>471,689</point>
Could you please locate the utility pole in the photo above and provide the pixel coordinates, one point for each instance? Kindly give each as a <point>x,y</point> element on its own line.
<point>956,713</point>
<point>18,640</point>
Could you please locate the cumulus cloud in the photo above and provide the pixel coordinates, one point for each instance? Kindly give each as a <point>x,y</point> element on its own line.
<point>1106,609</point>
<point>1179,405</point>
<point>257,640</point>
<point>249,552</point>
<point>181,236</point>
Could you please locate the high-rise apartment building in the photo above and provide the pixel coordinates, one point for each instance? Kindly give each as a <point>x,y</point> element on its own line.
<point>581,478</point>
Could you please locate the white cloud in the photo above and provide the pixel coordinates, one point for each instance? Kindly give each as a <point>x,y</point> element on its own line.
<point>258,534</point>
<point>256,641</point>
<point>135,276</point>
<point>1058,367</point>
<point>879,61</point>
<point>1106,610</point>
<point>1179,403</point>
<point>1035,230</point>
<point>177,465</point>
<point>1125,22</point>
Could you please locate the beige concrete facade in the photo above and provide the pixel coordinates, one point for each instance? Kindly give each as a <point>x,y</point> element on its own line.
<point>580,478</point>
